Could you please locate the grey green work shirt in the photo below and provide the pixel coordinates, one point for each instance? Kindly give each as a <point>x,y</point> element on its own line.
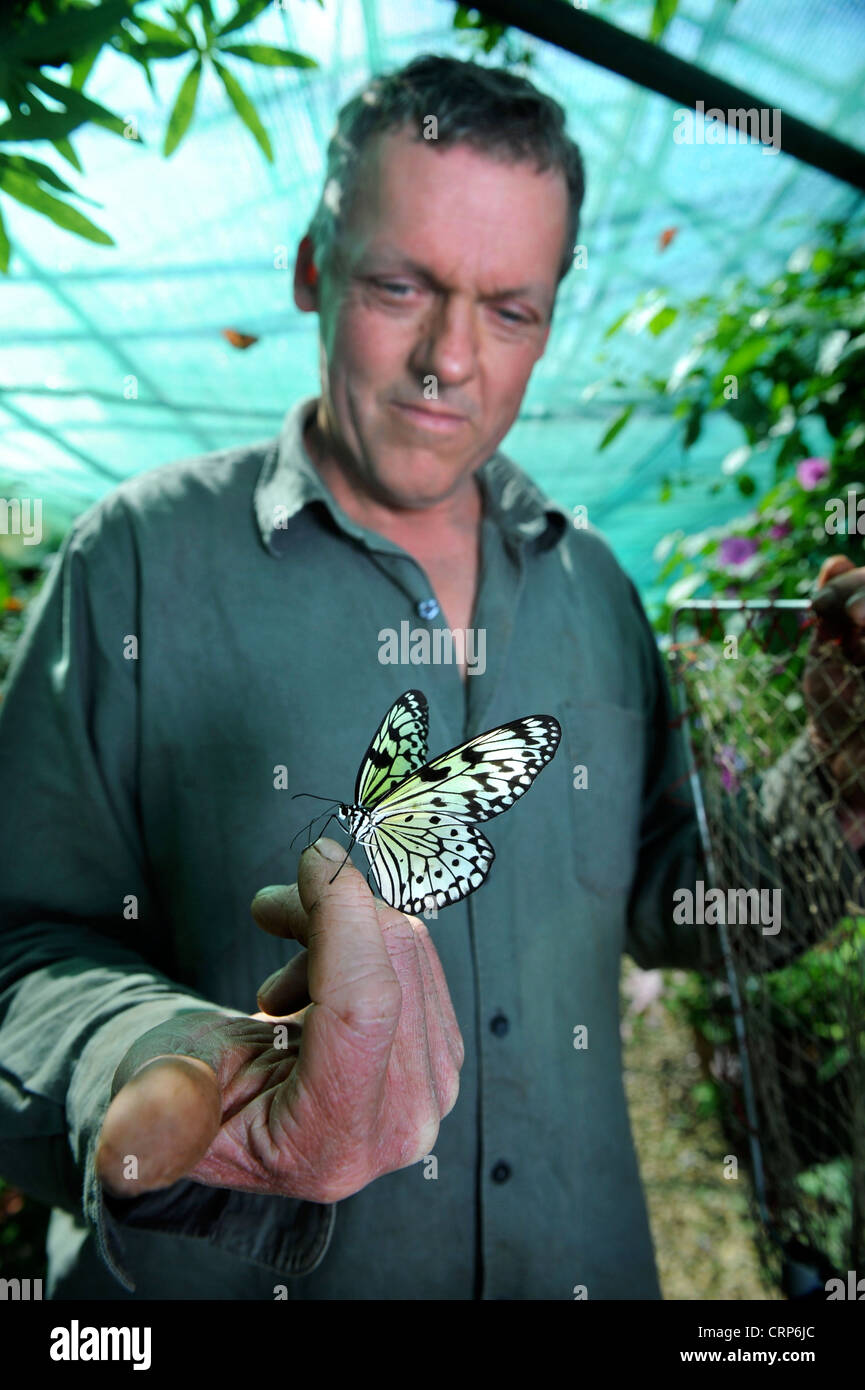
<point>205,624</point>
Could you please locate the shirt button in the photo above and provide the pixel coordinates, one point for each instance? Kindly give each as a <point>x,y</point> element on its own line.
<point>501,1172</point>
<point>499,1025</point>
<point>428,608</point>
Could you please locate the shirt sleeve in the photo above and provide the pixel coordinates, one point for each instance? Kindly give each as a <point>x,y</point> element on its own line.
<point>81,935</point>
<point>778,833</point>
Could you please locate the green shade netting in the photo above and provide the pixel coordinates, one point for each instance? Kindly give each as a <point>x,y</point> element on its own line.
<point>112,360</point>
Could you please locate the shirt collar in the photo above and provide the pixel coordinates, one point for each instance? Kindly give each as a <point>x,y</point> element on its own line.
<point>290,481</point>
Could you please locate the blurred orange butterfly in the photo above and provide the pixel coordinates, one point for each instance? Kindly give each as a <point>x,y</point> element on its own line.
<point>238,339</point>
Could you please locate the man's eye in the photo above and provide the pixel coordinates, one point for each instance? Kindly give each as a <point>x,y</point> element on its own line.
<point>510,316</point>
<point>394,287</point>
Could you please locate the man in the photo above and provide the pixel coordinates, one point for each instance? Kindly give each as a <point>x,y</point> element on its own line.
<point>212,641</point>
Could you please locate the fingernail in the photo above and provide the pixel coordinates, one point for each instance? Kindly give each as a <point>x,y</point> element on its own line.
<point>328,849</point>
<point>266,892</point>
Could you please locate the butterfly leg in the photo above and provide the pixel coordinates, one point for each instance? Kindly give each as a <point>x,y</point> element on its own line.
<point>345,860</point>
<point>323,828</point>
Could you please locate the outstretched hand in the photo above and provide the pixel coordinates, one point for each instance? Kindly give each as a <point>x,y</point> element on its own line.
<point>344,1075</point>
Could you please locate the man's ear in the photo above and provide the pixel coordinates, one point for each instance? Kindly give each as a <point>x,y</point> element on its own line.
<point>306,277</point>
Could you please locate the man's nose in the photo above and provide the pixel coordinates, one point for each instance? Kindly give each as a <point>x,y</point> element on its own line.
<point>448,346</point>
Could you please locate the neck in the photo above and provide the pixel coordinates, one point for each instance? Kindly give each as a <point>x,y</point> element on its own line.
<point>412,527</point>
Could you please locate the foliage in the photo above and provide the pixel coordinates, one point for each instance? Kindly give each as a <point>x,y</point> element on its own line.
<point>783,361</point>
<point>36,35</point>
<point>810,998</point>
<point>19,585</point>
<point>487,36</point>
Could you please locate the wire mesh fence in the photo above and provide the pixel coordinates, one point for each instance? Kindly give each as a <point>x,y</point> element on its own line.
<point>774,712</point>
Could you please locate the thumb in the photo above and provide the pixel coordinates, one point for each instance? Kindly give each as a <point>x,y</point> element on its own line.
<point>158,1126</point>
<point>349,970</point>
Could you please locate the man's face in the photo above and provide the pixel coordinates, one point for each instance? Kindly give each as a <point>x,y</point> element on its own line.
<point>434,313</point>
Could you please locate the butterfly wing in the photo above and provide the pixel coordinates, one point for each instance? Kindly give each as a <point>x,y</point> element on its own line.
<point>398,748</point>
<point>420,839</point>
<point>418,864</point>
<point>478,779</point>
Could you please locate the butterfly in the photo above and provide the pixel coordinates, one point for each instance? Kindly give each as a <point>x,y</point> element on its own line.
<point>415,819</point>
<point>238,339</point>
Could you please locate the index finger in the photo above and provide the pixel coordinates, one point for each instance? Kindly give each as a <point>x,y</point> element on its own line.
<point>838,581</point>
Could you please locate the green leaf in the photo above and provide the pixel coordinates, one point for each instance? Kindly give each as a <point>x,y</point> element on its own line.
<point>40,125</point>
<point>20,164</point>
<point>662,320</point>
<point>154,52</point>
<point>616,427</point>
<point>184,106</point>
<point>77,104</point>
<point>616,325</point>
<point>663,11</point>
<point>82,68</point>
<point>745,356</point>
<point>65,149</point>
<point>694,425</point>
<point>25,190</point>
<point>746,485</point>
<point>271,57</point>
<point>43,172</point>
<point>157,33</point>
<point>244,14</point>
<point>780,396</point>
<point>66,36</point>
<point>5,246</point>
<point>245,110</point>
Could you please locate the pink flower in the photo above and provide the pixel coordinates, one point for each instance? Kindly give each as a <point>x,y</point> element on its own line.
<point>735,550</point>
<point>731,764</point>
<point>779,530</point>
<point>810,472</point>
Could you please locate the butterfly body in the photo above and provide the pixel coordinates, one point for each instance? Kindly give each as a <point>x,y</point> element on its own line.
<point>416,819</point>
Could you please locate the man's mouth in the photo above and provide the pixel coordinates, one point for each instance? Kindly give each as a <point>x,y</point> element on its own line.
<point>427,417</point>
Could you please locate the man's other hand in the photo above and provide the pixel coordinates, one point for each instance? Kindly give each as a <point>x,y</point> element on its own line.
<point>834,689</point>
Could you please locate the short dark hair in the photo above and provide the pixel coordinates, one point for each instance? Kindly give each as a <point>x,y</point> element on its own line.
<point>493,110</point>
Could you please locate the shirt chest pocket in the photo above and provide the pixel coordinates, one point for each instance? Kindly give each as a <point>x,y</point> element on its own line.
<point>606,747</point>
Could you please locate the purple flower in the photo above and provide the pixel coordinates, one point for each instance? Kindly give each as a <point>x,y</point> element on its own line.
<point>779,530</point>
<point>810,472</point>
<point>735,550</point>
<point>731,762</point>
